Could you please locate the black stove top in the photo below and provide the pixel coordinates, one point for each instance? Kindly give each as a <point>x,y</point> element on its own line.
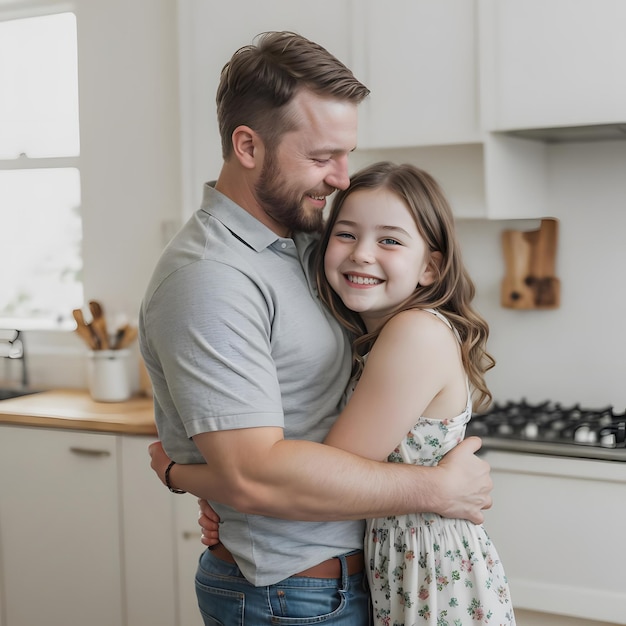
<point>554,429</point>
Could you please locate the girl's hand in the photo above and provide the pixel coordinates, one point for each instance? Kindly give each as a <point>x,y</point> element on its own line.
<point>209,521</point>
<point>158,459</point>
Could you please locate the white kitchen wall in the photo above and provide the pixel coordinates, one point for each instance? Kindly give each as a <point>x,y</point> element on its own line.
<point>129,121</point>
<point>576,353</point>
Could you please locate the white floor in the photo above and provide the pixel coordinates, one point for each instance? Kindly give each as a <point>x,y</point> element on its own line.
<point>530,618</point>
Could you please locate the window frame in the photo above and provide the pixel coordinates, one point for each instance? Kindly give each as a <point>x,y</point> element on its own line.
<point>16,10</point>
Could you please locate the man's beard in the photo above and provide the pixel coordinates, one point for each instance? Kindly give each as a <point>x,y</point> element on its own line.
<point>282,204</point>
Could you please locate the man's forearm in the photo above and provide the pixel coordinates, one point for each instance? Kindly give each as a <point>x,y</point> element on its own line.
<point>309,481</point>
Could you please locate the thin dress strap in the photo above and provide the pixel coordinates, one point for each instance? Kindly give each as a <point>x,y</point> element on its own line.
<point>446,321</point>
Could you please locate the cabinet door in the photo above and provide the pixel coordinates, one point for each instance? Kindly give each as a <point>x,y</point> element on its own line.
<point>59,528</point>
<point>557,63</point>
<point>189,549</point>
<point>540,525</point>
<point>419,59</point>
<point>148,522</point>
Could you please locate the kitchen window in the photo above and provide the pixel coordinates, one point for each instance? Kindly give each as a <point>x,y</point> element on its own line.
<point>40,215</point>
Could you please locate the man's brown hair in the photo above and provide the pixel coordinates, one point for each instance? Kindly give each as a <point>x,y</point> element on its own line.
<point>261,79</point>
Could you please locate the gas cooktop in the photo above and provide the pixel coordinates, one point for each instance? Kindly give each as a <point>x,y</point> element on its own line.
<point>553,429</point>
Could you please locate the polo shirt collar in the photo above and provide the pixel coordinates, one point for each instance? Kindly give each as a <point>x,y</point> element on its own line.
<point>237,220</point>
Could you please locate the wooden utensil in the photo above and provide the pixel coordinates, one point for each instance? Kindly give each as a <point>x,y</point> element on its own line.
<point>84,331</point>
<point>129,335</point>
<point>119,335</point>
<point>98,324</point>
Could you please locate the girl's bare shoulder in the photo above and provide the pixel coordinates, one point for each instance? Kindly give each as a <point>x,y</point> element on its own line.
<point>419,325</point>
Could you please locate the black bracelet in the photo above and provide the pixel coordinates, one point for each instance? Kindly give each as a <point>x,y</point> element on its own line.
<point>167,479</point>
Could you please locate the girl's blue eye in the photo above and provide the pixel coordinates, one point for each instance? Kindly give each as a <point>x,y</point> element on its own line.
<point>345,235</point>
<point>390,242</point>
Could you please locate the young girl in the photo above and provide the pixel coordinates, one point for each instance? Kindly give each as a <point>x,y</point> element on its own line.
<point>391,256</point>
<point>390,269</point>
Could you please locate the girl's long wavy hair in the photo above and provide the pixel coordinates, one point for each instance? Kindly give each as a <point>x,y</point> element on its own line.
<point>451,293</point>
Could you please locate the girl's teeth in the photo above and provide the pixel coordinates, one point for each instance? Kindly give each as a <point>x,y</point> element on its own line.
<point>361,280</point>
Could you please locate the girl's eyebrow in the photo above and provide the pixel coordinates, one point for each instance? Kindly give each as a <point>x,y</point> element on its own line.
<point>397,229</point>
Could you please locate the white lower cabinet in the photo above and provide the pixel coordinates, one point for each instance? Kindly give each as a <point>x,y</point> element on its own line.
<point>148,550</point>
<point>188,551</point>
<point>88,533</point>
<point>558,525</point>
<point>60,536</point>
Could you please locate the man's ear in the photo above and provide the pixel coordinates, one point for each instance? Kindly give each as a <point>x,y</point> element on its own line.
<point>432,271</point>
<point>247,146</point>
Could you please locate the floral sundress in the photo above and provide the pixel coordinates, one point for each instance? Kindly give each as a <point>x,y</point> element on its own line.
<point>426,570</point>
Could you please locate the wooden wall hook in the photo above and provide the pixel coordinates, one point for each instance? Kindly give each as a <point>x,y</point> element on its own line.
<point>530,280</point>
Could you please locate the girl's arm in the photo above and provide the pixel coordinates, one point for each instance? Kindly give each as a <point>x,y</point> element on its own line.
<point>413,369</point>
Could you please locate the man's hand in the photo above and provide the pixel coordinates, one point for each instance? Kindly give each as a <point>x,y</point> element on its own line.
<point>467,485</point>
<point>209,521</point>
<point>158,459</point>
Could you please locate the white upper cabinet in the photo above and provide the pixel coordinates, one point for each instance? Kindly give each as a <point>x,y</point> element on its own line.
<point>419,59</point>
<point>554,63</point>
<point>452,82</point>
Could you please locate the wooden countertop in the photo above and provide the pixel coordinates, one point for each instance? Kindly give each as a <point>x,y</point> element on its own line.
<point>77,411</point>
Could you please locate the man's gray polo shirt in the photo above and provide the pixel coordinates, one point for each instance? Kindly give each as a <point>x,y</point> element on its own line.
<point>234,338</point>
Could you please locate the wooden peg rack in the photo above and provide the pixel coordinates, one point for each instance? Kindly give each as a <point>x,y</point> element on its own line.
<point>530,281</point>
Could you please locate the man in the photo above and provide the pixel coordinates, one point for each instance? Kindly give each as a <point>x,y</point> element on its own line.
<point>249,369</point>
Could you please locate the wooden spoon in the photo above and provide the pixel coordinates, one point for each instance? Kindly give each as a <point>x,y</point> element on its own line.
<point>84,331</point>
<point>98,324</point>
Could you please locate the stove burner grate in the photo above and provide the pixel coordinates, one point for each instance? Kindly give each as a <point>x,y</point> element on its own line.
<point>551,428</point>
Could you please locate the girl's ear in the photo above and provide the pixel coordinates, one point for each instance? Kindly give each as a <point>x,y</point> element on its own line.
<point>432,271</point>
<point>247,146</point>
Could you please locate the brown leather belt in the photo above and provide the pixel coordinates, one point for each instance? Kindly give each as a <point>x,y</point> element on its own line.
<point>326,569</point>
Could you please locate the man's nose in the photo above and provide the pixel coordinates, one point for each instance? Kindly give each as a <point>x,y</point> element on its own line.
<point>339,177</point>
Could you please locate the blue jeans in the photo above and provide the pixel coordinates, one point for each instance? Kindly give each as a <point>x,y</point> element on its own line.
<point>226,598</point>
